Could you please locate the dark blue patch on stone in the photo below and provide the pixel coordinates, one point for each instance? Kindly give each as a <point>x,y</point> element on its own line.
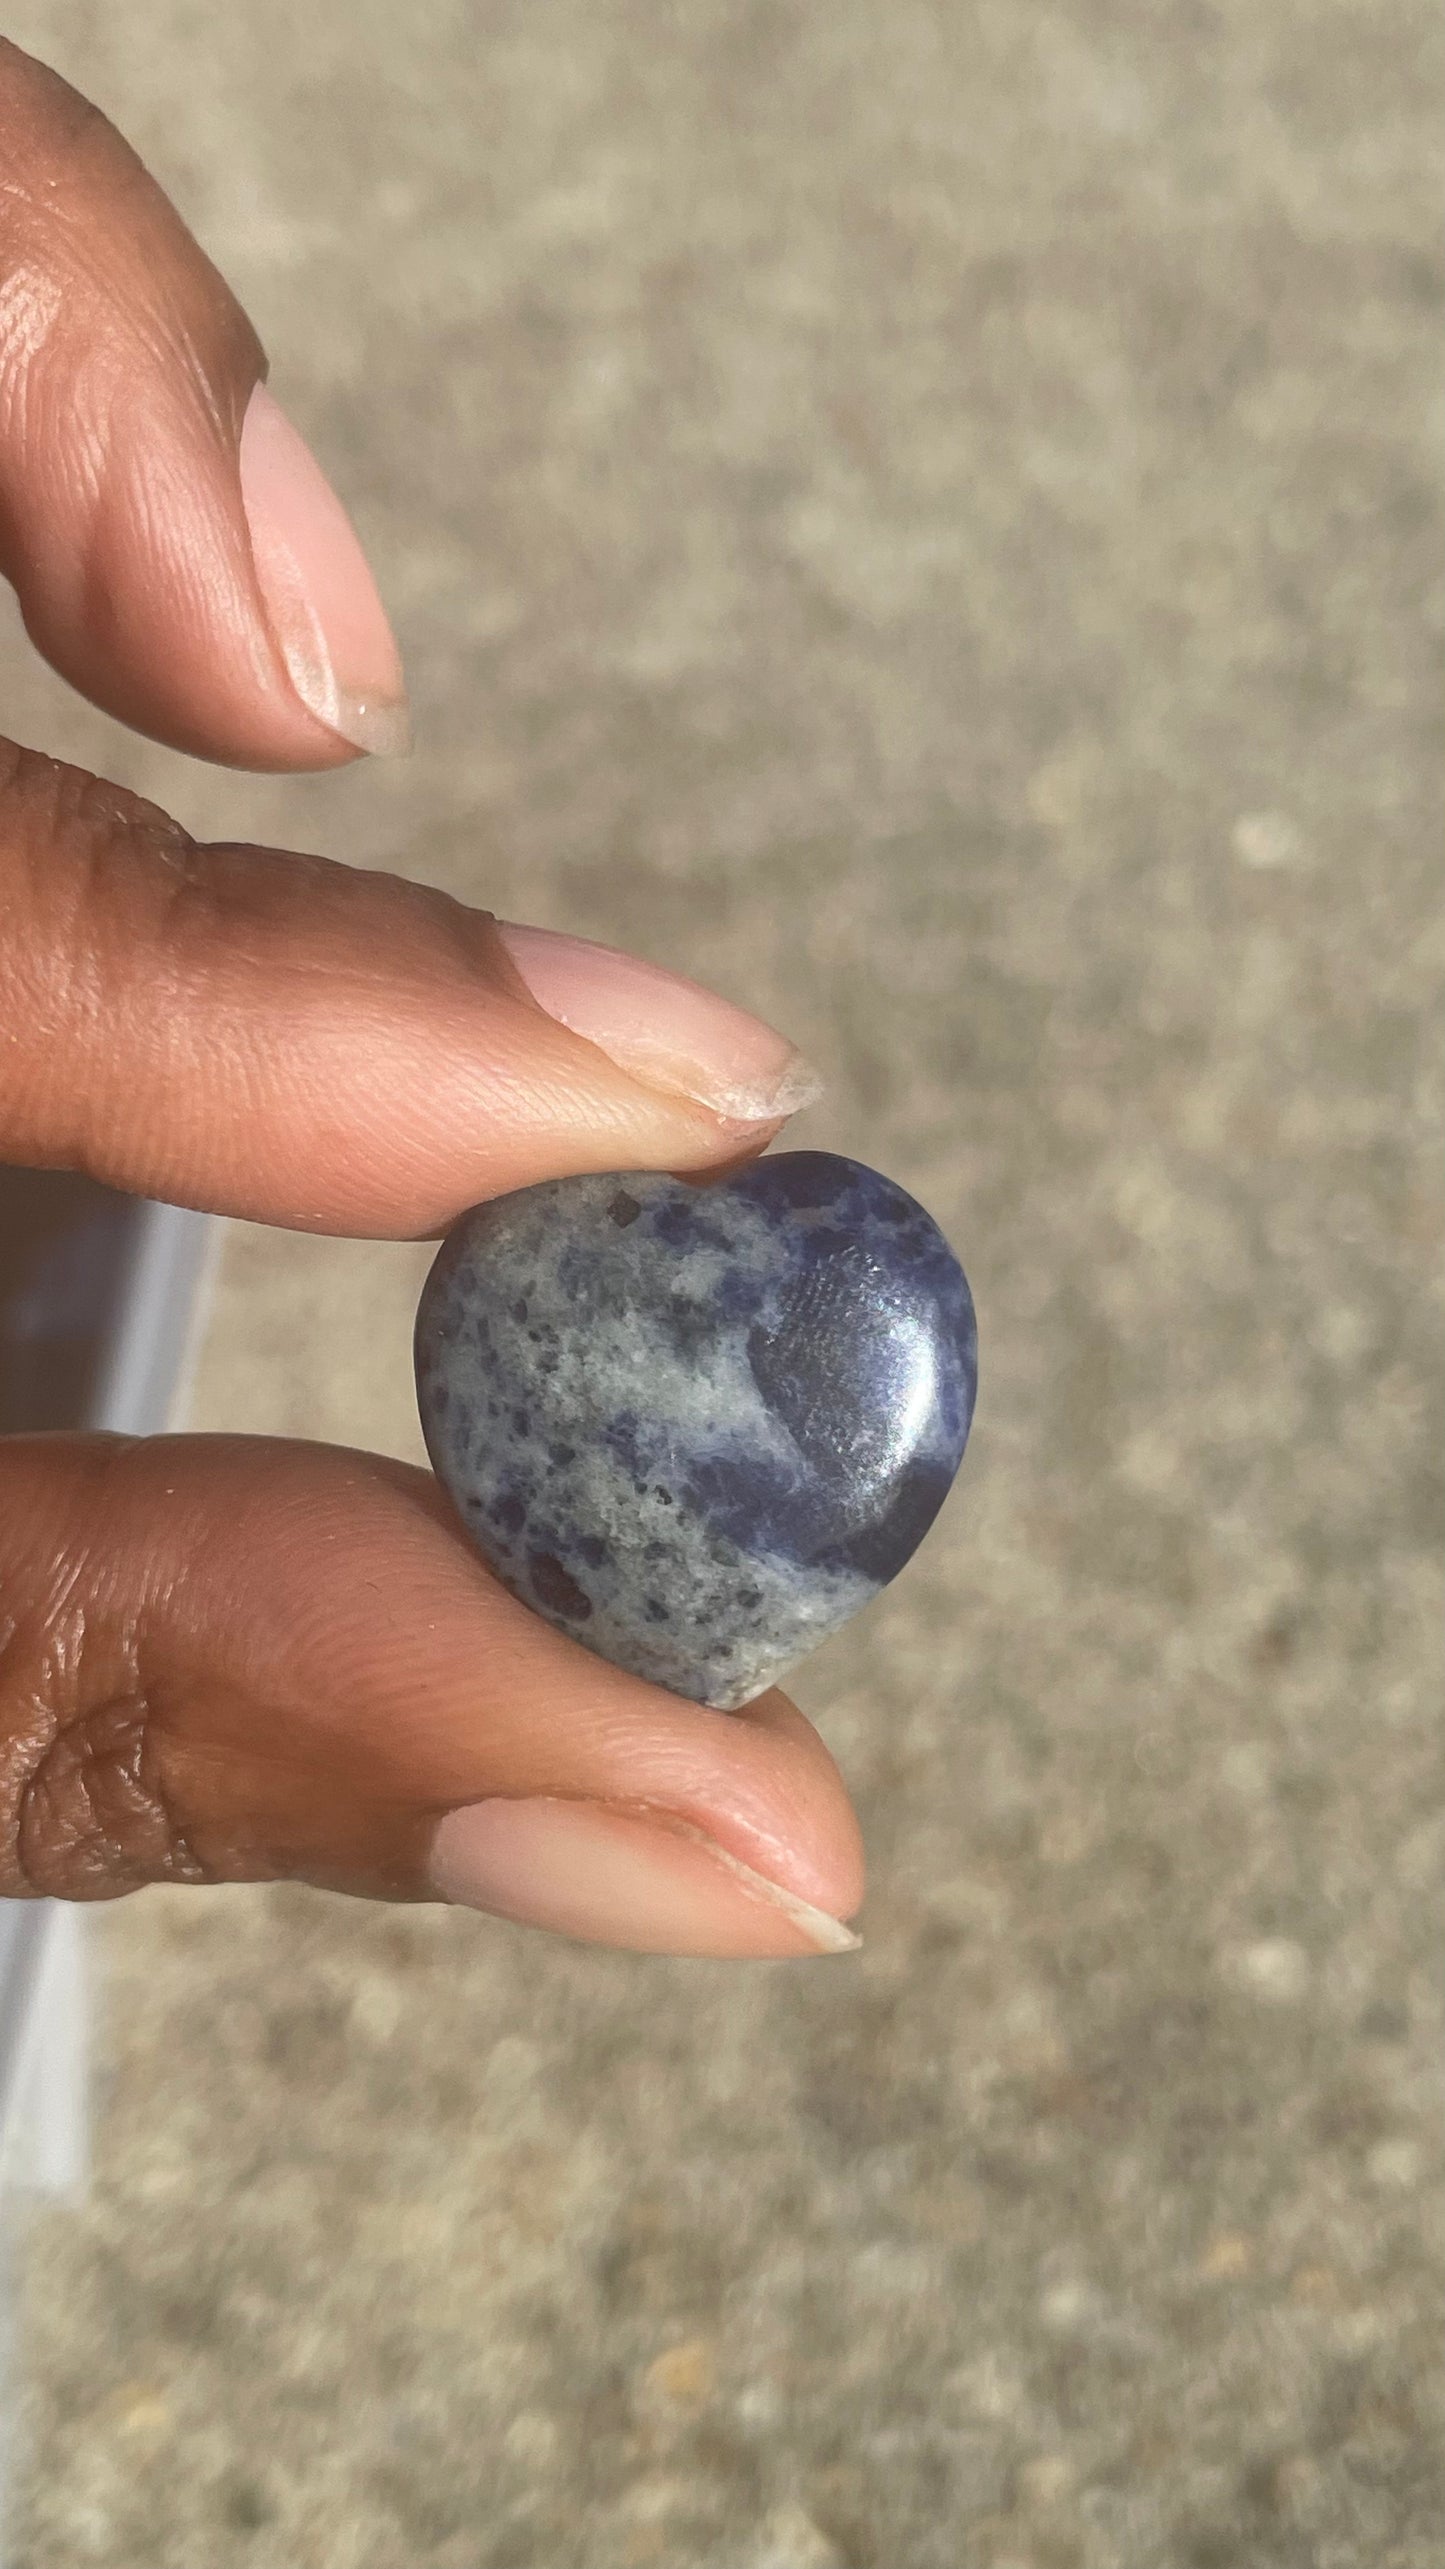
<point>697,1428</point>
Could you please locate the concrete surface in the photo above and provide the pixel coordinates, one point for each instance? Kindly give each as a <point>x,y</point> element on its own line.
<point>926,516</point>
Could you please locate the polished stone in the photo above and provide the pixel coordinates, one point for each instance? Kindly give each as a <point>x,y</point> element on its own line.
<point>698,1427</point>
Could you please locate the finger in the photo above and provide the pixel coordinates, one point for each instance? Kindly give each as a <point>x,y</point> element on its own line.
<point>392,1724</point>
<point>177,553</point>
<point>278,1037</point>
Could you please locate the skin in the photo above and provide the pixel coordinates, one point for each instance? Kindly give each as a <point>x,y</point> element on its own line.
<point>232,1659</point>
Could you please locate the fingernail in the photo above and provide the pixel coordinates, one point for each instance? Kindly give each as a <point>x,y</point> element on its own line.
<point>609,1879</point>
<point>326,618</point>
<point>662,1029</point>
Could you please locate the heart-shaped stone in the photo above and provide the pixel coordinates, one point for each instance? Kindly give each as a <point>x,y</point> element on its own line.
<point>698,1427</point>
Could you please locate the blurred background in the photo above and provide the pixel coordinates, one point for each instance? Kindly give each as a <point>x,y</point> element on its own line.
<point>926,518</point>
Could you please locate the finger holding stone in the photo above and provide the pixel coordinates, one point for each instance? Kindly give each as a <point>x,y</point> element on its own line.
<point>233,1659</point>
<point>283,1038</point>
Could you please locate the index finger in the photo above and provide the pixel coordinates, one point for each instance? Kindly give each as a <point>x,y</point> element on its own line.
<point>278,1037</point>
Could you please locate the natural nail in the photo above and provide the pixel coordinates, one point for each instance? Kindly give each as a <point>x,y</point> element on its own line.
<point>326,618</point>
<point>669,1032</point>
<point>608,1878</point>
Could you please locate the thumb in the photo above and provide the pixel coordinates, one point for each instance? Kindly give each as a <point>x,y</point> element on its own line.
<point>177,553</point>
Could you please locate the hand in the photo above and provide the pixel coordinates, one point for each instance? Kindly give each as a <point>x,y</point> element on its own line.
<point>228,1659</point>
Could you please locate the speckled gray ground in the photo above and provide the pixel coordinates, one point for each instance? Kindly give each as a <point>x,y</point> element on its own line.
<point>926,516</point>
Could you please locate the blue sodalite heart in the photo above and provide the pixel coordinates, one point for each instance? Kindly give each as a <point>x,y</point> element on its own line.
<point>698,1427</point>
